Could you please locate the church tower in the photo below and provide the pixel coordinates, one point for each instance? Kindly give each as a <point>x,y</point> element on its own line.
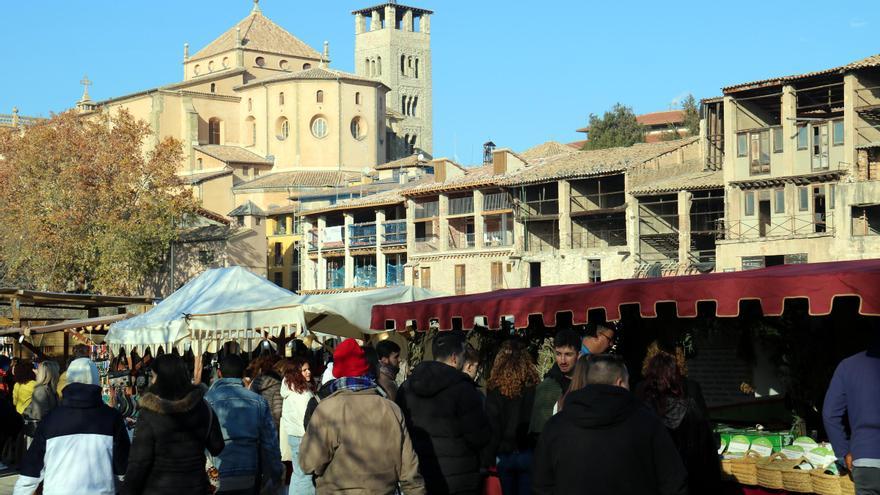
<point>393,45</point>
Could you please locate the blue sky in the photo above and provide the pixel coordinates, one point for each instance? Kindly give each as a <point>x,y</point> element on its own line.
<point>518,73</point>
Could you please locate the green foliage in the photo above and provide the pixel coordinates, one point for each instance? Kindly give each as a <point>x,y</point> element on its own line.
<point>617,127</point>
<point>691,115</point>
<point>86,205</point>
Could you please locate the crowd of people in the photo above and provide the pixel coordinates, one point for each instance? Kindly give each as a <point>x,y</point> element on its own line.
<point>277,425</point>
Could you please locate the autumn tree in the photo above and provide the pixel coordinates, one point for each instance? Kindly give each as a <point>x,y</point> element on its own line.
<point>617,127</point>
<point>88,204</point>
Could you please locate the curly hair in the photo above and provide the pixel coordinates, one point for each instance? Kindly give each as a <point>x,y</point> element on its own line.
<point>512,371</point>
<point>654,349</point>
<point>262,365</point>
<point>294,377</point>
<point>663,380</point>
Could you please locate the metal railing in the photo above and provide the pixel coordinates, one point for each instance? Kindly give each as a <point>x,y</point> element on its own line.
<point>497,201</point>
<point>461,240</point>
<point>362,234</point>
<point>331,240</point>
<point>599,238</point>
<point>394,232</point>
<point>313,239</point>
<point>428,210</point>
<point>427,244</point>
<point>791,225</point>
<point>461,206</point>
<point>540,207</point>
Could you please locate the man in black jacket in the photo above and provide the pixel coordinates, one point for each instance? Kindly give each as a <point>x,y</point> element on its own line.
<point>445,418</point>
<point>607,442</point>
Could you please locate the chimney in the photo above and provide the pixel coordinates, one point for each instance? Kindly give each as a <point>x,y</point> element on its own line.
<point>505,161</point>
<point>445,169</point>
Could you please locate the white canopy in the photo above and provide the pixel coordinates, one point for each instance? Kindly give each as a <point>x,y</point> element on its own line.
<point>346,314</point>
<point>215,290</point>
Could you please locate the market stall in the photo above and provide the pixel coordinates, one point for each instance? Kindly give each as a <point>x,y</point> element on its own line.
<point>345,314</point>
<point>215,290</point>
<point>830,307</point>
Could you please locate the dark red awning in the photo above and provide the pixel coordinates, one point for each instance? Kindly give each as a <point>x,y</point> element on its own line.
<point>819,283</point>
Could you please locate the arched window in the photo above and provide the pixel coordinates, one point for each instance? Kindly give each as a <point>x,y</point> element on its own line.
<point>319,126</point>
<point>403,65</point>
<point>214,131</point>
<point>282,129</point>
<point>408,106</point>
<point>409,66</point>
<point>307,66</point>
<point>260,61</point>
<point>211,66</point>
<point>198,164</point>
<point>281,98</point>
<point>367,68</point>
<point>378,66</point>
<point>412,143</point>
<point>283,65</point>
<point>250,104</point>
<point>213,87</point>
<point>403,105</point>
<point>357,98</point>
<point>373,68</point>
<point>412,107</point>
<point>319,96</point>
<point>358,128</point>
<point>417,68</point>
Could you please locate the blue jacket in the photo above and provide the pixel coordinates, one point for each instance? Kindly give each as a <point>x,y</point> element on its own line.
<point>854,391</point>
<point>79,447</point>
<point>247,426</point>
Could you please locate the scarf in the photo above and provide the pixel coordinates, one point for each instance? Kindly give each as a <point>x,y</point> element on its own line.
<point>353,383</point>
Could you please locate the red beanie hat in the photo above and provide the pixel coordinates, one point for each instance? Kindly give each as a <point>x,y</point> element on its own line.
<point>349,360</point>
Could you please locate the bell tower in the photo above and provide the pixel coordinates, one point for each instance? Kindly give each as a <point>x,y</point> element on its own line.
<point>393,45</point>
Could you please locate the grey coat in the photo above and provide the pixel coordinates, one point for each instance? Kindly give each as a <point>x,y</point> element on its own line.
<point>44,400</point>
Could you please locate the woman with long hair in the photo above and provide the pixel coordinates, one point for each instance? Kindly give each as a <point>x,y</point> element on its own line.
<point>175,426</point>
<point>296,390</point>
<point>664,391</point>
<point>509,401</point>
<point>578,380</point>
<point>44,397</point>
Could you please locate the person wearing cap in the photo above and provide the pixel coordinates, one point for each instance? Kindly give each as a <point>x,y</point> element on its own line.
<point>81,446</point>
<point>251,457</point>
<point>445,415</point>
<point>357,440</point>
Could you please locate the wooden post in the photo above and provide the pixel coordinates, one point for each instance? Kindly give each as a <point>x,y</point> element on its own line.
<point>66,347</point>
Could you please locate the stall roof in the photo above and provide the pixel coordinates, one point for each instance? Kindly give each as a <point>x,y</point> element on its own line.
<point>818,283</point>
<point>67,300</point>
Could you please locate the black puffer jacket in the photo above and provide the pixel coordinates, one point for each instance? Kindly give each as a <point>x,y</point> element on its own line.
<point>168,452</point>
<point>269,386</point>
<point>448,426</point>
<point>606,442</point>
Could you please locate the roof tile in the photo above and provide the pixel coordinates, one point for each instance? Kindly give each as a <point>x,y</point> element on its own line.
<point>232,154</point>
<point>260,34</point>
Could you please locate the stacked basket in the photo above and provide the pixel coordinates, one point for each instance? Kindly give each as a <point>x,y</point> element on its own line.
<point>771,472</point>
<point>743,470</point>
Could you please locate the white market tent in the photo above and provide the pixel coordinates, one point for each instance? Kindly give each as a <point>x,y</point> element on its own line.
<point>345,314</point>
<point>215,290</point>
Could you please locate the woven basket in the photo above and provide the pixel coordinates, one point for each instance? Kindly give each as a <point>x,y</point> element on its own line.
<point>797,480</point>
<point>744,471</point>
<point>769,470</point>
<point>847,487</point>
<point>824,483</point>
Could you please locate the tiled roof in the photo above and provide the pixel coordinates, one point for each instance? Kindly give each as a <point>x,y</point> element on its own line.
<point>386,197</point>
<point>593,162</point>
<point>313,74</point>
<point>661,118</point>
<point>691,181</point>
<point>381,8</point>
<point>473,177</point>
<point>248,208</point>
<point>300,178</point>
<point>207,233</point>
<point>407,161</point>
<point>872,61</point>
<point>260,34</point>
<point>578,145</point>
<point>199,178</point>
<point>550,148</point>
<point>293,207</point>
<point>232,154</point>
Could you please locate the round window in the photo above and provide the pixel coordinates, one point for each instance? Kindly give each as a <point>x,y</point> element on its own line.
<point>283,64</point>
<point>225,62</point>
<point>358,128</point>
<point>197,69</point>
<point>307,66</point>
<point>319,127</point>
<point>282,129</point>
<point>211,66</point>
<point>260,61</point>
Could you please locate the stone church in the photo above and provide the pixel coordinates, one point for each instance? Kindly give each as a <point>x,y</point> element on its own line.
<point>261,114</point>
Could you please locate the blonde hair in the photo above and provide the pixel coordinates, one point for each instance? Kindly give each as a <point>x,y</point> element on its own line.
<point>48,373</point>
<point>654,349</point>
